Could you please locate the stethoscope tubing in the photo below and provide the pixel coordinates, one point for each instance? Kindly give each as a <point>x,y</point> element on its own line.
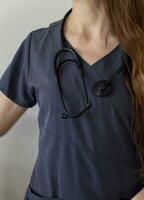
<point>101,88</point>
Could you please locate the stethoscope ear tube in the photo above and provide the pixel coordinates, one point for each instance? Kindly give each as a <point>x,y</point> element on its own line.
<point>57,67</point>
<point>65,49</point>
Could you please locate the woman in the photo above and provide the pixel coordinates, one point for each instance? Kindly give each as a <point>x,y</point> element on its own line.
<point>92,155</point>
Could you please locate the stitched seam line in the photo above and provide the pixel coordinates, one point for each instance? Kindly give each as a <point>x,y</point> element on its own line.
<point>56,47</point>
<point>50,27</point>
<point>88,150</point>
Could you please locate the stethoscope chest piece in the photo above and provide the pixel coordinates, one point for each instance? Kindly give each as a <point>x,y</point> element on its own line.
<point>102,88</point>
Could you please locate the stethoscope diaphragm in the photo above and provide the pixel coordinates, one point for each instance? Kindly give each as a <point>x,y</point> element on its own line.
<point>102,88</point>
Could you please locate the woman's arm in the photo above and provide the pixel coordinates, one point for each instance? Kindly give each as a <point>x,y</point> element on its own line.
<point>10,112</point>
<point>139,196</point>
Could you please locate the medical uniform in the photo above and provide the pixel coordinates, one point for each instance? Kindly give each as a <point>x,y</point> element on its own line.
<point>85,158</point>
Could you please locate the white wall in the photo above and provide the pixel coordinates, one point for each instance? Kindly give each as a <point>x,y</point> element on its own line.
<point>18,148</point>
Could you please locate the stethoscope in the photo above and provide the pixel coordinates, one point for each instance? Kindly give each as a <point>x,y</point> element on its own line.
<point>101,88</point>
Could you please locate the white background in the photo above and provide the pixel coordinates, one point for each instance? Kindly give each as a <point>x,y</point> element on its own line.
<point>19,147</point>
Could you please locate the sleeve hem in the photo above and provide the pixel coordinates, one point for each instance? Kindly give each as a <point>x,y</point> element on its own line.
<point>24,105</point>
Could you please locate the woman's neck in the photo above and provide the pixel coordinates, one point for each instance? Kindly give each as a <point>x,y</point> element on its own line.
<point>88,19</point>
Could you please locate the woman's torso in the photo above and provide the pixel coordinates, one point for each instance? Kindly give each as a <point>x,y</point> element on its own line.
<point>89,157</point>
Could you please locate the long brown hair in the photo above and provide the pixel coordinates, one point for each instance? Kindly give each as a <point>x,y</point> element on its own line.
<point>127,23</point>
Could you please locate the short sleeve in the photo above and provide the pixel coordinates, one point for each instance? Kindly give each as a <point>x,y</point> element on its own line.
<point>15,81</point>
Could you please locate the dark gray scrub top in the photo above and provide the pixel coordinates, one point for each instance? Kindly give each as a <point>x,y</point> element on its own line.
<point>84,158</point>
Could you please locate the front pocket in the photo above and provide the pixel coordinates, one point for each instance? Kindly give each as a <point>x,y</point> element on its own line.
<point>32,195</point>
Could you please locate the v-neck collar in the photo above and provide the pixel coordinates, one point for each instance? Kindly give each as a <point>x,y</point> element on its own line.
<point>105,66</point>
<point>96,62</point>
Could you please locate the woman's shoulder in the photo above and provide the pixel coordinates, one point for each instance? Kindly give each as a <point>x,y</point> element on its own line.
<point>43,30</point>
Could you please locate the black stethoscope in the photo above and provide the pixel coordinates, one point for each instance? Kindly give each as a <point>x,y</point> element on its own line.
<point>101,88</point>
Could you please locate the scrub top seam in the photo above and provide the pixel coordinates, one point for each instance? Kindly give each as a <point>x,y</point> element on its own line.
<point>88,150</point>
<point>53,26</point>
<point>56,47</point>
<point>29,60</point>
